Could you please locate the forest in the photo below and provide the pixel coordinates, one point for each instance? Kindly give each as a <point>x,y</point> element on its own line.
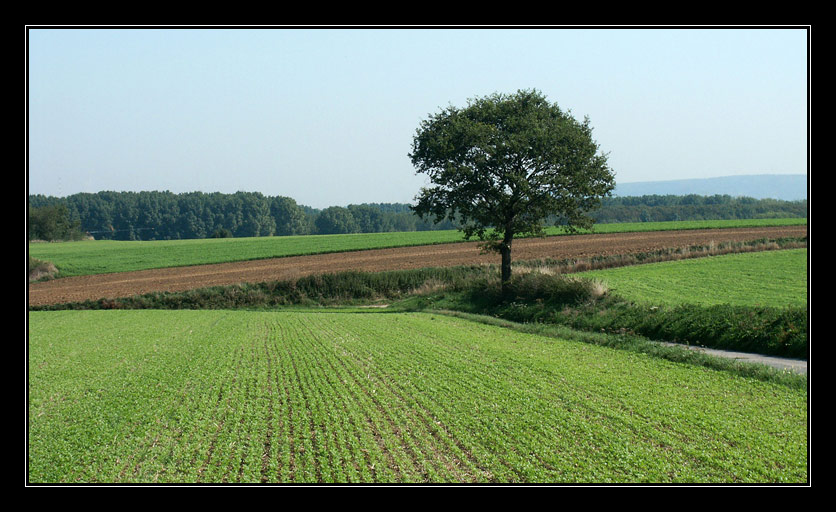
<point>170,216</point>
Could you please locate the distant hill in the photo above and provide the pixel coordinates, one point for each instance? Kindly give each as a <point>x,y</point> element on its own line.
<point>787,187</point>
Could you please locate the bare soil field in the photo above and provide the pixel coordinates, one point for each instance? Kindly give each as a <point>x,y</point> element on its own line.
<point>125,284</point>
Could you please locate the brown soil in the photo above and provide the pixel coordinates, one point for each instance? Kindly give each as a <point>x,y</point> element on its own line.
<point>126,284</point>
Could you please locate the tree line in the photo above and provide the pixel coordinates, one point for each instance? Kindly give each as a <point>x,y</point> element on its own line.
<point>662,208</point>
<point>170,216</point>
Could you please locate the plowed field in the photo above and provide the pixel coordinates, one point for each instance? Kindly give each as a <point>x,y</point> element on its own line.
<point>126,284</point>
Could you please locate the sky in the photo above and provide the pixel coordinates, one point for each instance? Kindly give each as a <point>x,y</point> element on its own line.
<point>327,115</point>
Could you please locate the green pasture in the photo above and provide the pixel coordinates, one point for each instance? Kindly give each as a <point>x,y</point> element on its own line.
<point>102,256</point>
<point>304,396</point>
<point>767,278</point>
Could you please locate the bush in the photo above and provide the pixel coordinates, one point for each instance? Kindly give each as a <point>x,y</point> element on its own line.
<point>38,269</point>
<point>537,287</point>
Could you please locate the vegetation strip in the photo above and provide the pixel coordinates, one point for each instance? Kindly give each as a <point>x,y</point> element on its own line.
<point>166,216</point>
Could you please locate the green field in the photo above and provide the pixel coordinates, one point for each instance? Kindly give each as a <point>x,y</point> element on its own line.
<point>102,256</point>
<point>768,278</point>
<point>235,396</point>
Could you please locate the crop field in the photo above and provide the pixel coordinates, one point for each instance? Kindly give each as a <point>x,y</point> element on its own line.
<point>332,396</point>
<point>125,284</point>
<point>103,256</point>
<point>769,278</point>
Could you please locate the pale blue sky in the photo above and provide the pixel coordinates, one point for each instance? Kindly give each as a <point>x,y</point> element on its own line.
<point>327,116</point>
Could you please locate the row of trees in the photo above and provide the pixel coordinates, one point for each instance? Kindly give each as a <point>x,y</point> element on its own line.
<point>165,215</point>
<point>169,216</point>
<point>662,208</point>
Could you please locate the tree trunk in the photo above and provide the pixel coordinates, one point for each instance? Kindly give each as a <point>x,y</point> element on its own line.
<point>505,251</point>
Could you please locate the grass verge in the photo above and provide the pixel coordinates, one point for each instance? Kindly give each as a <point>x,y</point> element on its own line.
<point>581,304</point>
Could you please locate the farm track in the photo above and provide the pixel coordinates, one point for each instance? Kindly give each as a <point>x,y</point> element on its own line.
<point>125,284</point>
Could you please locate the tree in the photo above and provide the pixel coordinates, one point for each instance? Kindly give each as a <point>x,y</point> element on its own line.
<point>288,216</point>
<point>222,233</point>
<point>370,219</point>
<point>504,164</point>
<point>335,220</point>
<point>52,222</point>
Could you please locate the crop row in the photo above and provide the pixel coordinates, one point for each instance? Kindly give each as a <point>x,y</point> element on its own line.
<point>223,396</point>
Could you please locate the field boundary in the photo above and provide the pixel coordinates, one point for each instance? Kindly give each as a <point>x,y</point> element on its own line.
<point>81,288</point>
<point>127,260</point>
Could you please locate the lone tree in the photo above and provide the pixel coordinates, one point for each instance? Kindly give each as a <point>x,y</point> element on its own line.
<point>506,163</point>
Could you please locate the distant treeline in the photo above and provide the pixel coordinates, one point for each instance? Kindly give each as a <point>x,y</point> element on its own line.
<point>662,208</point>
<point>169,216</point>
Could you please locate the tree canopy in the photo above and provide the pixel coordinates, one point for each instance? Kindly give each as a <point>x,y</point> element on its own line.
<point>506,163</point>
<point>52,222</point>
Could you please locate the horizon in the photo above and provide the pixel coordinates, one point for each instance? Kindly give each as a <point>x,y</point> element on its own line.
<point>721,177</point>
<point>326,116</point>
<point>345,205</point>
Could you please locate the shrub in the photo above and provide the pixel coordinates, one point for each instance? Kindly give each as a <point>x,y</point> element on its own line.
<point>538,287</point>
<point>38,269</point>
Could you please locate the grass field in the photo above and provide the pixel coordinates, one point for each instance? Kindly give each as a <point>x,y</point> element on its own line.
<point>236,396</point>
<point>769,278</point>
<point>102,256</point>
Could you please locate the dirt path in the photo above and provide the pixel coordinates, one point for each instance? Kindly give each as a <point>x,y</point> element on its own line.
<point>126,284</point>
